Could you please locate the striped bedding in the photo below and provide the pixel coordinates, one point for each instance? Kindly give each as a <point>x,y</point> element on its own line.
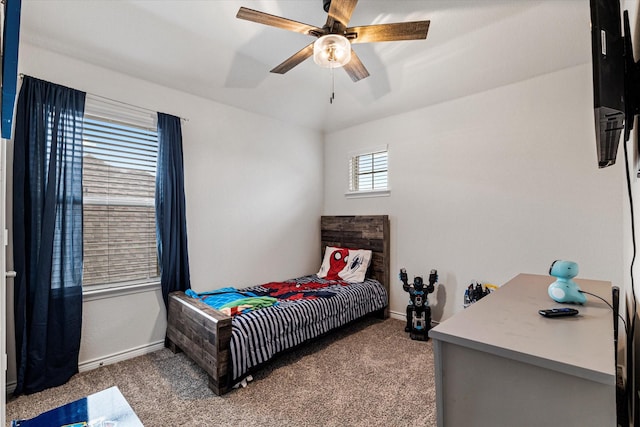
<point>259,335</point>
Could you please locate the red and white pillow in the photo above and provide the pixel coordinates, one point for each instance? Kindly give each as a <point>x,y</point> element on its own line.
<point>349,265</point>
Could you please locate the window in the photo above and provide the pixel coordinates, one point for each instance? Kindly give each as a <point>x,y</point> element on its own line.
<point>119,167</point>
<point>369,173</point>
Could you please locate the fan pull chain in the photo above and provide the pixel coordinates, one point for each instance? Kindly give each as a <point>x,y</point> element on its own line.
<point>333,85</point>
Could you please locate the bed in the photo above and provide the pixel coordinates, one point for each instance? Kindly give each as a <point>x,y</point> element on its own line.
<point>211,338</point>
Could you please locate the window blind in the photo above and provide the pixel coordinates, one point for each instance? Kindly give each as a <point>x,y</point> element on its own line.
<point>369,172</point>
<point>119,165</point>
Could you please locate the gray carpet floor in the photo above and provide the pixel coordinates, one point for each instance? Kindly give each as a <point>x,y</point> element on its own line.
<point>368,373</point>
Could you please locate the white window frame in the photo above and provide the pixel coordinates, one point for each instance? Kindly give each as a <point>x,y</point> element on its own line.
<point>350,193</point>
<point>108,110</point>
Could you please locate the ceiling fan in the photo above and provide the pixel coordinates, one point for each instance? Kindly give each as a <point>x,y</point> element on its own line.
<point>332,48</point>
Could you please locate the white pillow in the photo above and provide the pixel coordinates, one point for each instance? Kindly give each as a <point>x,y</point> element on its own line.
<point>357,265</point>
<point>349,265</point>
<point>326,261</point>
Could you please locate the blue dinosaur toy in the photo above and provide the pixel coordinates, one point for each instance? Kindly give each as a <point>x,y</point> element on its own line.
<point>564,289</point>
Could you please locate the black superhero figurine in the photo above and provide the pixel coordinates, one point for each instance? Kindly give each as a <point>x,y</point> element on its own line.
<point>418,310</point>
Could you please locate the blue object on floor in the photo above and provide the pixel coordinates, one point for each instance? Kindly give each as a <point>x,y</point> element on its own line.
<point>107,408</point>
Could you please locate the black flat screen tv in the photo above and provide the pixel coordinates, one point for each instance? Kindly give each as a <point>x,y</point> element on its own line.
<point>607,48</point>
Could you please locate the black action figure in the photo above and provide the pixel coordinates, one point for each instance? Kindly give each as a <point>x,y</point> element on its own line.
<point>418,310</point>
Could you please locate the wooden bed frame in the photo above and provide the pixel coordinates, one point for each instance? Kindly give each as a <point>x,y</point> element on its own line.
<point>204,333</point>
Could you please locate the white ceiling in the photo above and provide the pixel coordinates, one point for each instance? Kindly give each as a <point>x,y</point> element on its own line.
<point>201,48</point>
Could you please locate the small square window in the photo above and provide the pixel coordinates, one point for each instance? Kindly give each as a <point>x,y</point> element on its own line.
<point>369,173</point>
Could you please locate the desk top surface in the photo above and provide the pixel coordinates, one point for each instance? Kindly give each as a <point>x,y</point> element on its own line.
<point>507,323</point>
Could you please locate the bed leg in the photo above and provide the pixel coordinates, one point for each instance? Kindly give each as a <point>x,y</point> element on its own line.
<point>383,313</point>
<point>216,388</point>
<point>172,346</point>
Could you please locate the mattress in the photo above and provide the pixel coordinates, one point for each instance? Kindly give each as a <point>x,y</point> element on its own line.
<point>307,308</point>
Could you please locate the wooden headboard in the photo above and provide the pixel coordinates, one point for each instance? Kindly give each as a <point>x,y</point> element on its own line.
<point>361,232</point>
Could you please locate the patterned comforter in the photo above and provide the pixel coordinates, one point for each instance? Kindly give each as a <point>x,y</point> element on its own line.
<point>308,307</point>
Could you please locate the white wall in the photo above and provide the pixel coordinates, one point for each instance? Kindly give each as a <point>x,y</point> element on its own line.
<point>491,185</point>
<point>253,198</point>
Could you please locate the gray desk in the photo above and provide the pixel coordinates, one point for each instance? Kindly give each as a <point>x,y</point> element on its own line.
<point>499,363</point>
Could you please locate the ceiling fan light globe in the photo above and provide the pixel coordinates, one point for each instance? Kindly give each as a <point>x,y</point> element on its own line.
<point>332,51</point>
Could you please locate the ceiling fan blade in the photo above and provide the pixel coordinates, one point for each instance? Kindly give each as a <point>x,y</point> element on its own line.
<point>341,11</point>
<point>389,32</point>
<point>355,68</point>
<point>276,21</point>
<point>294,60</point>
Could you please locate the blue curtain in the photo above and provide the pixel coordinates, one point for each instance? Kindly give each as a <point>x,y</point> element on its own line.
<point>171,221</point>
<point>47,233</point>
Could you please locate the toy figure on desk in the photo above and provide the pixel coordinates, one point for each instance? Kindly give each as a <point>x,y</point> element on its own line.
<point>418,310</point>
<point>564,289</point>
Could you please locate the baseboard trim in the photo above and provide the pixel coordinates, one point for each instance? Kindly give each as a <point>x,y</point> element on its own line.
<point>120,356</point>
<point>397,315</point>
<point>107,360</point>
<point>11,388</point>
<point>403,317</point>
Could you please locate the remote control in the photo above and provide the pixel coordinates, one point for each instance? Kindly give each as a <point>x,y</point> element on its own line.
<point>558,312</point>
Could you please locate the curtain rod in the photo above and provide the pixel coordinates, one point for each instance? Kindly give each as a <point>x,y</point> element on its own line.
<point>21,75</point>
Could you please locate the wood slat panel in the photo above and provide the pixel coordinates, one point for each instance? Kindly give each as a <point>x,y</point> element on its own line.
<point>204,334</point>
<point>361,232</point>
